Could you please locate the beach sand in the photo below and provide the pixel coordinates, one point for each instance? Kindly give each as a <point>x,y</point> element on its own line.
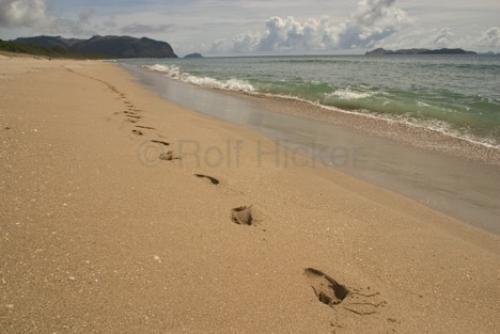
<point>104,230</point>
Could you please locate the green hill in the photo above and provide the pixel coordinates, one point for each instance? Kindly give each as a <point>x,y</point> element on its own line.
<point>95,47</point>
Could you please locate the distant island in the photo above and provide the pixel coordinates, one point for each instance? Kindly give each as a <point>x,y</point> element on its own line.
<point>95,47</point>
<point>194,55</point>
<point>383,52</point>
<point>490,53</point>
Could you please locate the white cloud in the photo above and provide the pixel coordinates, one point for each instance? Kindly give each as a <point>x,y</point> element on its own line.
<point>22,13</point>
<point>373,21</point>
<point>490,38</point>
<point>291,34</point>
<point>444,38</point>
<point>33,14</point>
<point>138,28</point>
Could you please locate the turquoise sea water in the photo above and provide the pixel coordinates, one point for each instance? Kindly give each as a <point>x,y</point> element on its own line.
<point>459,95</point>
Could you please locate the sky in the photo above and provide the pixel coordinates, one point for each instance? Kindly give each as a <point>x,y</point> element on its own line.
<point>249,27</point>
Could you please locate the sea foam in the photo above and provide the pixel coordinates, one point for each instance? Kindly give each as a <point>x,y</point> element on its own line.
<point>174,72</point>
<point>349,94</point>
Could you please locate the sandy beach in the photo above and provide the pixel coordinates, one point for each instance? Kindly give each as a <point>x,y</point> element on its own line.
<point>105,226</point>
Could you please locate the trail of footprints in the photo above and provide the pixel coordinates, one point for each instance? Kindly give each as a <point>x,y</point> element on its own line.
<point>132,115</point>
<point>327,290</point>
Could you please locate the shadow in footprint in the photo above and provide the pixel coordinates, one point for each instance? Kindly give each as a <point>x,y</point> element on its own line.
<point>161,142</point>
<point>168,156</point>
<point>145,127</point>
<point>242,215</point>
<point>327,290</point>
<point>213,180</point>
<point>137,132</point>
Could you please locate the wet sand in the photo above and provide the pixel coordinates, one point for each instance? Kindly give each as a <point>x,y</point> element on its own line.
<point>105,227</point>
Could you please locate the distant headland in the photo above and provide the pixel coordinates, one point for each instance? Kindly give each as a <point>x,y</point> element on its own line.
<point>95,47</point>
<point>383,52</point>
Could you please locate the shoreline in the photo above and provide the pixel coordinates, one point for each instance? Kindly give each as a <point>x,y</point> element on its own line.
<point>101,234</point>
<point>401,130</point>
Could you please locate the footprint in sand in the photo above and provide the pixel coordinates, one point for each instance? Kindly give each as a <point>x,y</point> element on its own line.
<point>242,215</point>
<point>362,302</point>
<point>327,290</point>
<point>213,180</point>
<point>137,132</point>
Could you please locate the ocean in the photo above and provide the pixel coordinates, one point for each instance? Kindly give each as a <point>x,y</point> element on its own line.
<point>457,95</point>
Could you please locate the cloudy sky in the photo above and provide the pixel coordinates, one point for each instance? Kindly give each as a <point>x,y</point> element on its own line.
<point>237,27</point>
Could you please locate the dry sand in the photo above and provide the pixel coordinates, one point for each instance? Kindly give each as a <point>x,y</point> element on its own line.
<point>97,234</point>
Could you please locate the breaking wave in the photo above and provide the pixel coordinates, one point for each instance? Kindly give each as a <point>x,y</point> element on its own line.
<point>349,94</point>
<point>174,72</point>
